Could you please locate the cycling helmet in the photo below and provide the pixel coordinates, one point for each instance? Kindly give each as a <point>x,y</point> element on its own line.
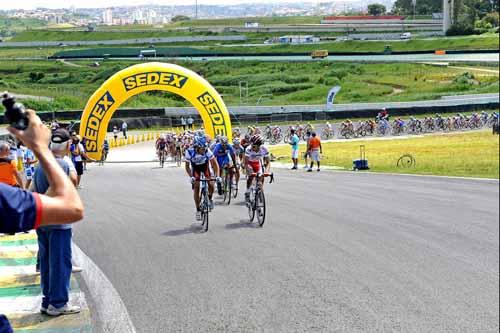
<point>224,140</point>
<point>257,140</point>
<point>200,142</point>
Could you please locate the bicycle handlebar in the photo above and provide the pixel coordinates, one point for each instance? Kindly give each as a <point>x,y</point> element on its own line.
<point>206,180</point>
<point>267,174</point>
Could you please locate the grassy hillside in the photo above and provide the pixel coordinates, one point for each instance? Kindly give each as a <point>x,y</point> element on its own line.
<point>9,26</point>
<point>71,84</point>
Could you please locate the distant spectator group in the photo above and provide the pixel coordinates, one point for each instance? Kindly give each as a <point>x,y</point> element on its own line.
<point>313,150</point>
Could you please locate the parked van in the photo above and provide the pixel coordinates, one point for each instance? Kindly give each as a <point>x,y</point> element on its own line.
<point>319,54</point>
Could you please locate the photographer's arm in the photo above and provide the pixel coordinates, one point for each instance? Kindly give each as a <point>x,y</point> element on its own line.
<point>65,205</point>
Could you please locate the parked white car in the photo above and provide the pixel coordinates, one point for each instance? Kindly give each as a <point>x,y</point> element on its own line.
<point>405,35</point>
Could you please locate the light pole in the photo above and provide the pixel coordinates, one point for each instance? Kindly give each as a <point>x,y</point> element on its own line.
<point>447,14</point>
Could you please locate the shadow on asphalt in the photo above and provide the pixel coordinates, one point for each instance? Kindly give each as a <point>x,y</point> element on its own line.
<point>193,229</point>
<point>241,225</point>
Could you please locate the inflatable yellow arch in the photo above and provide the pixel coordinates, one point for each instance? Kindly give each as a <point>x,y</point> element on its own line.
<point>146,77</point>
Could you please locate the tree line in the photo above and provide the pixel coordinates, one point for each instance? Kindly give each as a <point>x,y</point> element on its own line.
<point>469,16</point>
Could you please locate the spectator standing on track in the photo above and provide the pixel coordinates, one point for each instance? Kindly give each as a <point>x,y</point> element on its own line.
<point>54,242</point>
<point>294,142</point>
<point>124,129</point>
<point>306,154</point>
<point>183,123</point>
<point>190,122</point>
<point>77,154</point>
<point>8,168</point>
<point>115,133</point>
<point>315,149</point>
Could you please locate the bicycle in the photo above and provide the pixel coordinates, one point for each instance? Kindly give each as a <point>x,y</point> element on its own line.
<point>161,157</point>
<point>227,184</point>
<point>204,201</point>
<point>178,156</point>
<point>327,133</point>
<point>257,200</point>
<point>104,156</point>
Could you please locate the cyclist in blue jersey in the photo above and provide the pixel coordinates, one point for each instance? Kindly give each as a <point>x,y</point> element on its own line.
<point>199,158</point>
<point>224,153</point>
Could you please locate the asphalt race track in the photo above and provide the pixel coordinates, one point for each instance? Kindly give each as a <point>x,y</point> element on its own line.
<point>340,252</point>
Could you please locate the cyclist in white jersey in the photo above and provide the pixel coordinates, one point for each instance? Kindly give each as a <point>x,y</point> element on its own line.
<point>256,160</point>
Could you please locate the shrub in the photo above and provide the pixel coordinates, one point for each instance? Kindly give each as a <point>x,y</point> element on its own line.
<point>460,29</point>
<point>339,73</point>
<point>36,76</point>
<point>482,26</point>
<point>492,18</point>
<point>464,79</point>
<point>283,90</point>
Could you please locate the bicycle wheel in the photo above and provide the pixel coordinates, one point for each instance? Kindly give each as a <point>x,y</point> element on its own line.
<point>162,160</point>
<point>204,214</point>
<point>178,158</point>
<point>235,191</point>
<point>251,208</point>
<point>225,188</point>
<point>260,208</point>
<point>229,188</point>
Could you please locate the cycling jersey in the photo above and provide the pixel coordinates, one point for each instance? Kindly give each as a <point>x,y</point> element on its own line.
<point>161,144</point>
<point>224,155</point>
<point>199,162</point>
<point>194,158</point>
<point>238,150</point>
<point>253,156</point>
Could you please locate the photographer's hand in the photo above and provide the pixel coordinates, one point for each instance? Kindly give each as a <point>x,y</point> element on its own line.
<point>65,206</point>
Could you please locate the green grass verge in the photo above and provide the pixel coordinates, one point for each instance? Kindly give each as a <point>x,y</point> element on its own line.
<point>489,41</point>
<point>58,35</point>
<point>473,154</point>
